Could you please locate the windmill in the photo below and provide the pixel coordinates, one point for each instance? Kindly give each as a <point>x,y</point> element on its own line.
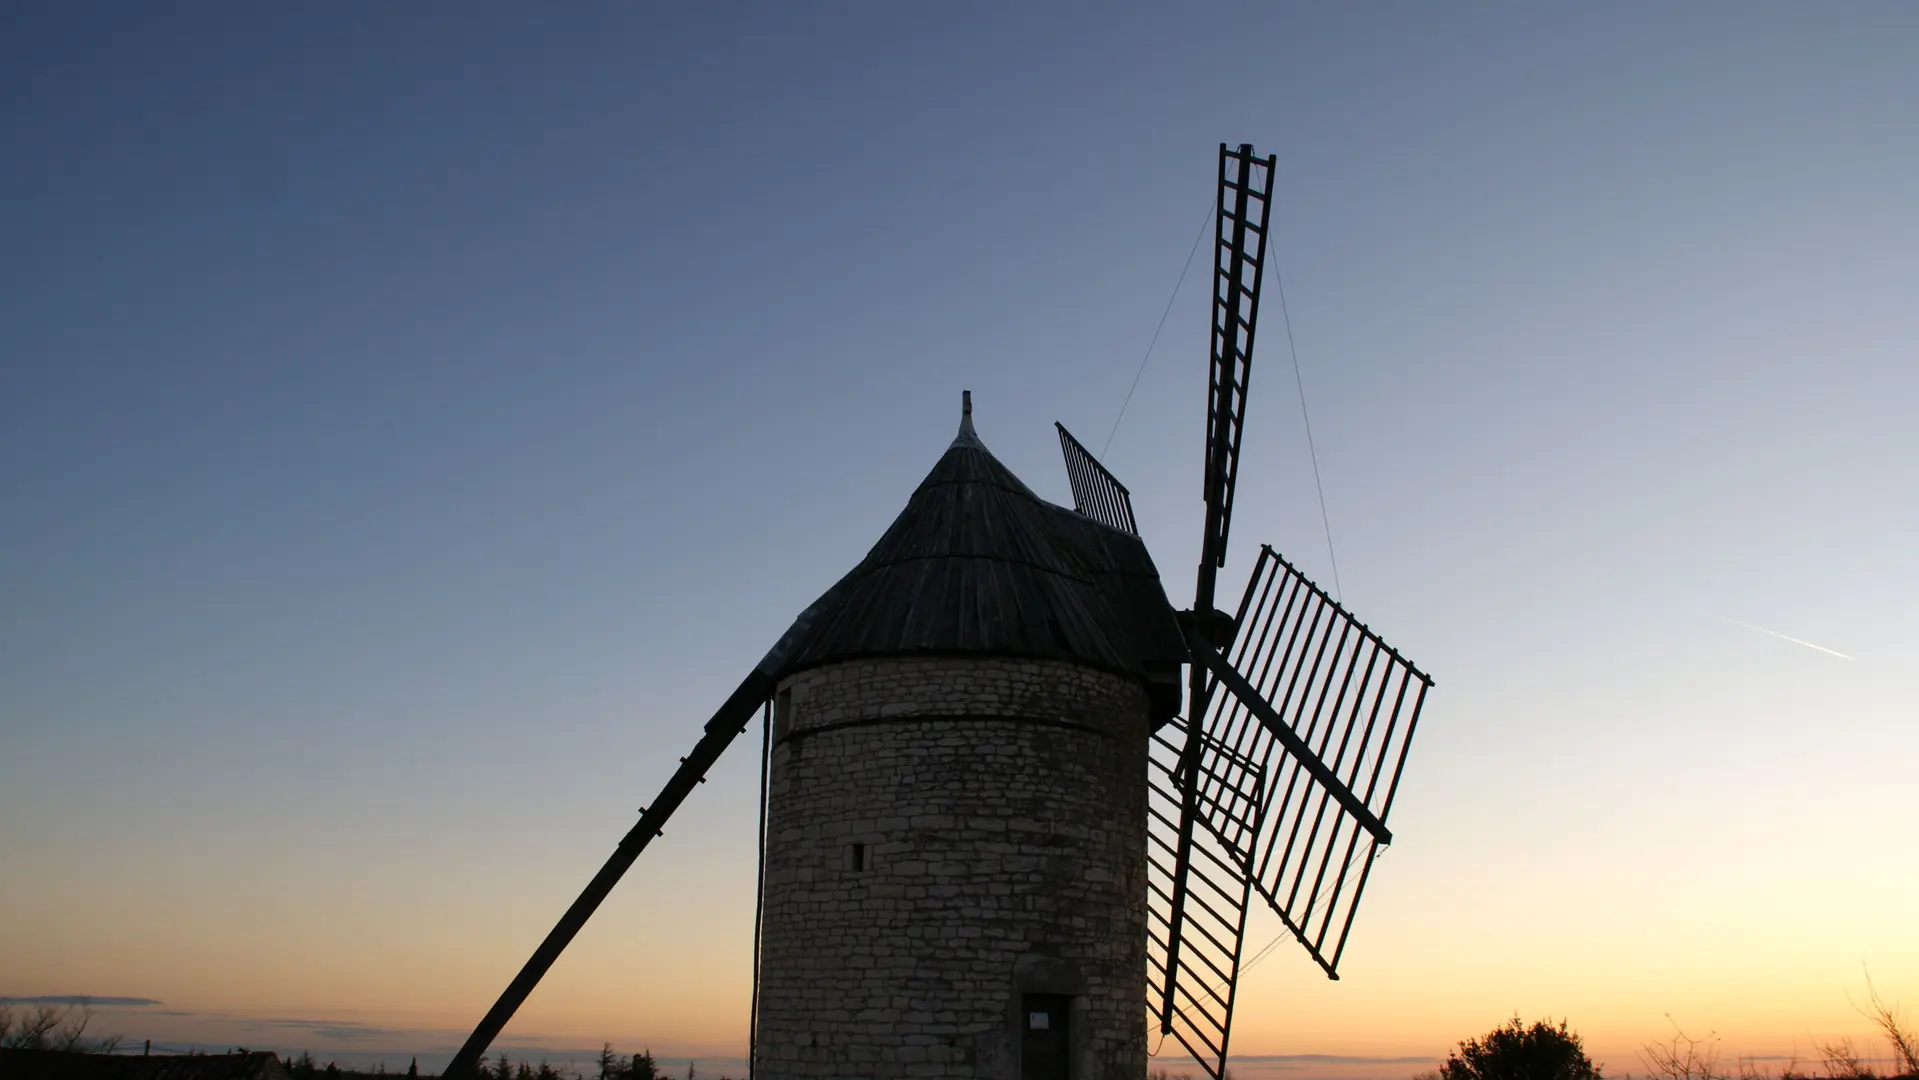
<point>998,832</point>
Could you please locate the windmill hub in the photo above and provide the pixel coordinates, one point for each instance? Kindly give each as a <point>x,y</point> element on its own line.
<point>1216,627</point>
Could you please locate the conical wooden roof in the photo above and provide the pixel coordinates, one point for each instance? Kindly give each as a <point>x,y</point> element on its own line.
<point>977,563</point>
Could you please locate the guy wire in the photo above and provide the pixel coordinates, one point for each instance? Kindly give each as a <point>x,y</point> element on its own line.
<point>1211,207</point>
<point>1325,521</point>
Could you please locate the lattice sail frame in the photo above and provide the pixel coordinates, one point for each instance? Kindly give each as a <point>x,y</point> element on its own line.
<point>1213,915</point>
<point>1355,701</point>
<point>1260,816</point>
<point>1097,493</point>
<point>1239,266</point>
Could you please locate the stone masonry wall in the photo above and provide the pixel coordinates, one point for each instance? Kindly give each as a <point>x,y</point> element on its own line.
<point>1001,806</point>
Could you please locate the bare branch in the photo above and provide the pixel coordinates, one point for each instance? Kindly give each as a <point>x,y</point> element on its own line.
<point>1842,1061</point>
<point>72,1035</point>
<point>1905,1043</point>
<point>1683,1057</point>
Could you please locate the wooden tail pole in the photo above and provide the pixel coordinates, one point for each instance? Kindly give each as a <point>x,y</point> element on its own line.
<point>731,719</point>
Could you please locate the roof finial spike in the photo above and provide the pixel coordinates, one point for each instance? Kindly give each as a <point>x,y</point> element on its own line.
<point>967,436</point>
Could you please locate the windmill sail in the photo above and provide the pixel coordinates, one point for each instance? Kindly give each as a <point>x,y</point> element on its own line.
<point>1097,494</point>
<point>1346,705</point>
<point>1193,985</point>
<point>1283,789</point>
<point>1239,261</point>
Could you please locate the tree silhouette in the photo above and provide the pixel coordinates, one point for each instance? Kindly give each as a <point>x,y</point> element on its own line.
<point>1514,1051</point>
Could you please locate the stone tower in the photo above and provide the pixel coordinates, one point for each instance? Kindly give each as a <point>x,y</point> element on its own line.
<point>956,824</point>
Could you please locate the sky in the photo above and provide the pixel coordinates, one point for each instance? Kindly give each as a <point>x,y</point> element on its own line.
<point>415,419</point>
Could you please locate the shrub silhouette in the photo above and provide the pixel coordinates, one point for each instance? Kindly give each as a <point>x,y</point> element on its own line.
<point>1514,1051</point>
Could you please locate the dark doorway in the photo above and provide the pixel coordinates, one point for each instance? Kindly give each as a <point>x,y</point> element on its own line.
<point>1043,1042</point>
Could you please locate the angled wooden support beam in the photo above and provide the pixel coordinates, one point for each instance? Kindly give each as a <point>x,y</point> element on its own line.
<point>1282,731</point>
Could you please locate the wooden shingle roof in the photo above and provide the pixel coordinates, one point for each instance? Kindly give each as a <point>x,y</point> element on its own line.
<point>977,563</point>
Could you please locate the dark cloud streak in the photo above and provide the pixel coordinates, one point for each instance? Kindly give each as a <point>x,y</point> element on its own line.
<point>98,1002</point>
<point>343,1030</point>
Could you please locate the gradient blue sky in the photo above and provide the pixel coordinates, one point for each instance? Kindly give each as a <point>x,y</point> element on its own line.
<point>415,418</point>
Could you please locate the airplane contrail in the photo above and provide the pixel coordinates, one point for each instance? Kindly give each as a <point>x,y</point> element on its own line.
<point>1788,637</point>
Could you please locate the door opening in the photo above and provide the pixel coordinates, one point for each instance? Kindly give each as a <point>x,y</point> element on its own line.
<point>1043,1037</point>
